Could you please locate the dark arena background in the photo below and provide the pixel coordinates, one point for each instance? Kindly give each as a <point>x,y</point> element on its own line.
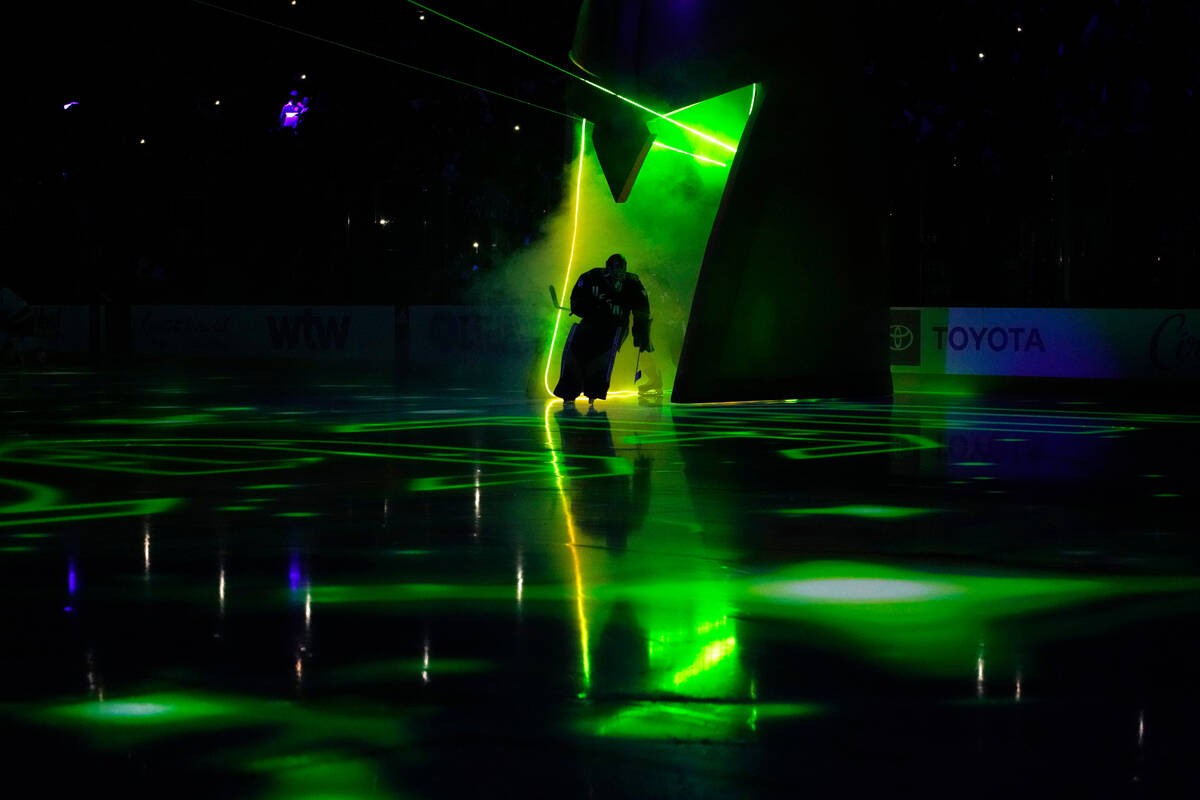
<point>899,498</point>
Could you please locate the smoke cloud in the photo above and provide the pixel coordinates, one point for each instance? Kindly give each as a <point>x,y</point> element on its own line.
<point>662,230</point>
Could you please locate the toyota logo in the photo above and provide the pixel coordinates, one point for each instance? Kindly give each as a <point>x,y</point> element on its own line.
<point>902,337</point>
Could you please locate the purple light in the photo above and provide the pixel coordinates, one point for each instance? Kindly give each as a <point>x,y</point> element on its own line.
<point>67,608</point>
<point>289,115</point>
<point>294,572</point>
<point>72,103</point>
<point>71,579</point>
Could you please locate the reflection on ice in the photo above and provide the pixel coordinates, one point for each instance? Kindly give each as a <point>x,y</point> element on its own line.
<point>861,590</point>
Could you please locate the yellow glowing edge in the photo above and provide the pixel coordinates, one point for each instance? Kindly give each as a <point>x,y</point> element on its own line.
<point>693,155</point>
<point>581,67</point>
<point>579,610</point>
<point>753,93</point>
<point>570,259</point>
<point>567,277</point>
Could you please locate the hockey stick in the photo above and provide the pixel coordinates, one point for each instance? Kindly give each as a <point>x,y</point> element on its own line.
<point>637,371</point>
<point>554,300</point>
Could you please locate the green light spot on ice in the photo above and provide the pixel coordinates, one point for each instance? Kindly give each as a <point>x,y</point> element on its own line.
<point>264,486</point>
<point>709,657</point>
<point>298,514</point>
<point>147,709</point>
<point>863,590</point>
<point>1166,494</point>
<point>132,709</point>
<point>974,464</point>
<point>925,620</point>
<point>237,508</point>
<point>875,512</point>
<point>16,548</point>
<point>691,721</point>
<point>318,775</point>
<point>31,535</point>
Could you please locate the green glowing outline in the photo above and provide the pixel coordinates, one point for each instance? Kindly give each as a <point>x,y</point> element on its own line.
<point>43,501</point>
<point>852,443</point>
<point>821,429</point>
<point>511,462</point>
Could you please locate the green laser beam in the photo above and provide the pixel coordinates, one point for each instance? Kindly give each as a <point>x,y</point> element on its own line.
<point>360,51</point>
<point>593,84</point>
<point>648,110</point>
<point>693,155</point>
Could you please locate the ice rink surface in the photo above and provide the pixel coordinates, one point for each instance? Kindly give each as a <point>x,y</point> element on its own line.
<point>254,584</point>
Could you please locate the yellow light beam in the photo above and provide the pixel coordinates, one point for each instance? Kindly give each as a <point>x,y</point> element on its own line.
<point>580,612</point>
<point>570,259</point>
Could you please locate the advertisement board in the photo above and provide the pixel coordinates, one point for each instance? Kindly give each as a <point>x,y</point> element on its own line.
<point>1126,344</point>
<point>492,336</point>
<point>340,333</point>
<point>65,329</point>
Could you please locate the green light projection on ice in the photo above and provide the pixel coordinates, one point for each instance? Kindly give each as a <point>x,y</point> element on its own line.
<point>43,504</point>
<point>861,511</point>
<point>310,749</point>
<point>913,620</point>
<point>664,720</point>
